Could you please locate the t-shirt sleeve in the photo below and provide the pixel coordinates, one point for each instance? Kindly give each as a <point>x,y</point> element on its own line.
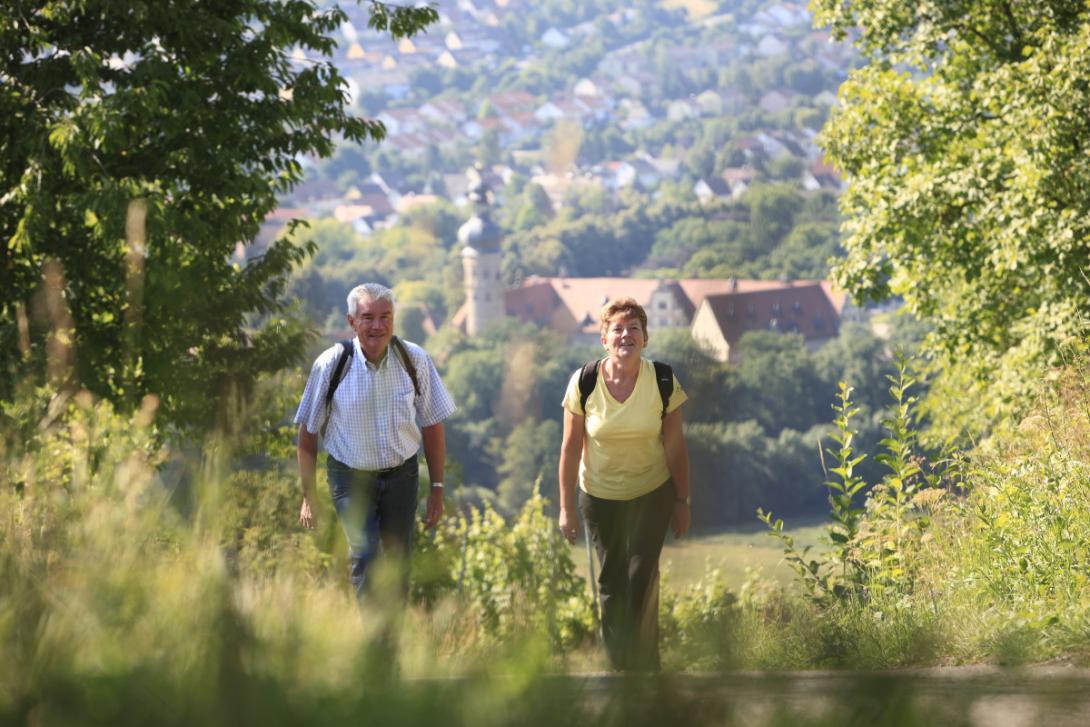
<point>571,395</point>
<point>677,397</point>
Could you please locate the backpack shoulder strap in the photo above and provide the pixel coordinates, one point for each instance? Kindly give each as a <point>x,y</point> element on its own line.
<point>407,361</point>
<point>588,378</point>
<point>335,379</point>
<point>664,377</point>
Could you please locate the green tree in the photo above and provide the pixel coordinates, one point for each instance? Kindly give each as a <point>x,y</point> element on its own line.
<point>964,138</point>
<point>143,144</point>
<point>710,385</point>
<point>489,150</point>
<point>779,385</point>
<point>531,451</point>
<point>857,357</point>
<point>805,252</point>
<point>772,214</point>
<point>535,208</point>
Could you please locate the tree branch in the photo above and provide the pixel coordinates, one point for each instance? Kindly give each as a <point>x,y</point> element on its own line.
<point>1016,32</point>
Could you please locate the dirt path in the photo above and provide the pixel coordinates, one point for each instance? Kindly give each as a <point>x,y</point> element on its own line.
<point>975,696</point>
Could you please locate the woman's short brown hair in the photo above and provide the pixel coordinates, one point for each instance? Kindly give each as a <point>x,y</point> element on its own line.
<point>625,307</point>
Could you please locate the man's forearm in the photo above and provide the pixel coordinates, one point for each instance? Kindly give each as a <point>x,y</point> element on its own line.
<point>307,456</point>
<point>435,450</point>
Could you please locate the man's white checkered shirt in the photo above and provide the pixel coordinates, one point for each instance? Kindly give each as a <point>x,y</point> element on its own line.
<point>375,416</point>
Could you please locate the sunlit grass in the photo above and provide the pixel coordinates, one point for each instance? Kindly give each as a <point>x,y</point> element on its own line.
<point>115,604</point>
<point>732,552</point>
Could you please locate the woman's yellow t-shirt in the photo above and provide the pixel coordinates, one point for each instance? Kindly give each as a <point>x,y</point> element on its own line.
<point>623,456</point>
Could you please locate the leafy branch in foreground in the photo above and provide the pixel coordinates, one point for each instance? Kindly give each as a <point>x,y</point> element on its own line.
<point>872,544</point>
<point>964,138</point>
<point>144,145</point>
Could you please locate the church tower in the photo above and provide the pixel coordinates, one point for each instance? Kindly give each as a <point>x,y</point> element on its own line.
<point>480,238</point>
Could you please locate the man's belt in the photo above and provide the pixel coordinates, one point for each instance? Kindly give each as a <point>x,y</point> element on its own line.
<point>387,471</point>
<point>395,469</point>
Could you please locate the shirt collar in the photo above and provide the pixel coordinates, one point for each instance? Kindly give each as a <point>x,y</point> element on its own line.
<point>360,355</point>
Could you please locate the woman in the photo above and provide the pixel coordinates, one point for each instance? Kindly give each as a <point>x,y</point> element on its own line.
<point>627,452</point>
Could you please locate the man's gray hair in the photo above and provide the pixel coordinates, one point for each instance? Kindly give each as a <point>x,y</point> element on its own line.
<point>368,291</point>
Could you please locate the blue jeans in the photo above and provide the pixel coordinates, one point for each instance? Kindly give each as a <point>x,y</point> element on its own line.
<point>377,511</point>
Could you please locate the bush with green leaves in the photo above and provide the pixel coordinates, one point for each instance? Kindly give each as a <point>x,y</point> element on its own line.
<point>876,531</point>
<point>509,577</point>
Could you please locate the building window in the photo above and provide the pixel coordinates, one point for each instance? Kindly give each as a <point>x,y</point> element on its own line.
<point>663,305</point>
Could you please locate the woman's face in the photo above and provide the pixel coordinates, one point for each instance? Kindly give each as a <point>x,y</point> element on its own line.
<point>624,338</point>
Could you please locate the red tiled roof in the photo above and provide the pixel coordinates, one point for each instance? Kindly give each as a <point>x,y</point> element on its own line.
<point>804,308</point>
<point>509,102</point>
<point>584,297</point>
<point>738,174</point>
<point>285,214</point>
<point>570,305</point>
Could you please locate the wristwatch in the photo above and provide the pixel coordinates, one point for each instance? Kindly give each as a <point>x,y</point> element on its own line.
<point>437,485</point>
<point>688,500</point>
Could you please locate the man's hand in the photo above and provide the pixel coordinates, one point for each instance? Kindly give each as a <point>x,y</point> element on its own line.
<point>569,525</point>
<point>681,519</point>
<point>306,517</point>
<point>434,510</point>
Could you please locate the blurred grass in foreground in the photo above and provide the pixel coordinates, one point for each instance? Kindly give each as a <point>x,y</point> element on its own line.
<point>136,589</point>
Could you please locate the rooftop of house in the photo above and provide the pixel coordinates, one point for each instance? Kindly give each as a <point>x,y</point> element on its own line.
<point>538,298</point>
<point>810,308</point>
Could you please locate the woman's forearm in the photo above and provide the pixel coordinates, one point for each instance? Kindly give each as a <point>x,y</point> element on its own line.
<point>677,454</point>
<point>571,451</point>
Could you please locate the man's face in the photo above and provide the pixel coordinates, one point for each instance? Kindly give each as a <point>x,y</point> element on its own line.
<point>373,325</point>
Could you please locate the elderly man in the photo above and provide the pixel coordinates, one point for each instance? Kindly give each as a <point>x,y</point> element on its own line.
<point>374,399</point>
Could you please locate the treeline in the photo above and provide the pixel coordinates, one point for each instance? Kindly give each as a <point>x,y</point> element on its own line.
<point>773,231</point>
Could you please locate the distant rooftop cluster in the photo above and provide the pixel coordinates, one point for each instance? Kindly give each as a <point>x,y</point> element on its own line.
<point>472,35</point>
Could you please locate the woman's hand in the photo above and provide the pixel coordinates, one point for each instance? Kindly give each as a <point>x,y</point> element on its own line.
<point>681,519</point>
<point>569,525</point>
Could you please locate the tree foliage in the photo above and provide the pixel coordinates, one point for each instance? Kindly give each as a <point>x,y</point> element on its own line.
<point>142,146</point>
<point>965,139</point>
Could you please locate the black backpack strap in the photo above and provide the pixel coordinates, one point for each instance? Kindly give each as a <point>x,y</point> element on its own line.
<point>335,380</point>
<point>588,378</point>
<point>664,377</point>
<point>407,361</point>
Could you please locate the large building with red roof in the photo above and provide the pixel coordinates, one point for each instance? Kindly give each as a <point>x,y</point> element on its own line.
<point>717,311</point>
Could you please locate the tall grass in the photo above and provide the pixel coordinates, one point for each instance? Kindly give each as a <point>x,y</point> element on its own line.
<point>123,602</point>
<point>202,602</point>
<point>979,556</point>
